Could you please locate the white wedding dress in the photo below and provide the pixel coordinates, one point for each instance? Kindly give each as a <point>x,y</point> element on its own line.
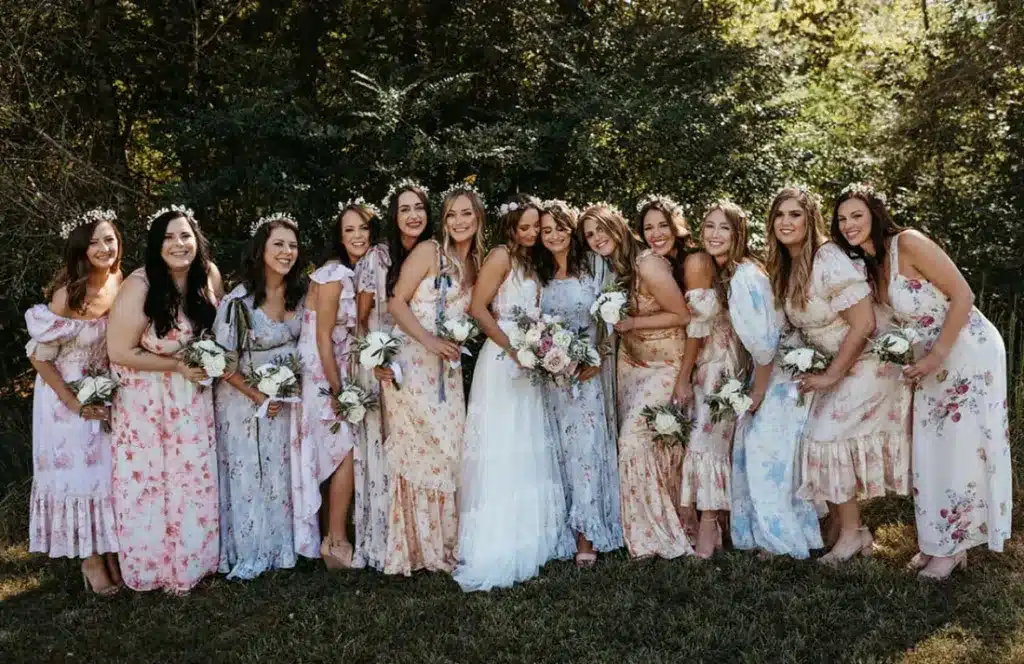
<point>512,514</point>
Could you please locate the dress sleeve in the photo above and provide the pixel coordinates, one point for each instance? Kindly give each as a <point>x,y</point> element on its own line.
<point>47,331</point>
<point>347,301</point>
<point>703,304</point>
<point>753,314</point>
<point>234,319</point>
<point>838,278</point>
<point>369,268</point>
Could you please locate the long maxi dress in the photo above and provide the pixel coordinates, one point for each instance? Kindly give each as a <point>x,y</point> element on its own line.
<point>649,472</point>
<point>425,417</point>
<point>962,476</point>
<point>71,513</point>
<point>257,532</point>
<point>580,425</point>
<point>373,494</point>
<point>318,452</point>
<point>766,512</point>
<point>165,471</point>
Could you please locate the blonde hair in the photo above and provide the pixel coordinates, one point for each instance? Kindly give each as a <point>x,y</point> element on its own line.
<point>739,251</point>
<point>791,276</point>
<point>623,259</point>
<point>476,249</point>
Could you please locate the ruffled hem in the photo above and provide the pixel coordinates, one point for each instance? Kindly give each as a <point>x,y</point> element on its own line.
<point>604,536</point>
<point>864,467</point>
<point>651,524</point>
<point>706,481</point>
<point>248,568</point>
<point>423,530</point>
<point>72,527</point>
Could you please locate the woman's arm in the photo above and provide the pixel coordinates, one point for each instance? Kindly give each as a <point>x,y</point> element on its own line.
<point>125,327</point>
<point>326,307</point>
<point>493,273</point>
<point>364,307</point>
<point>415,269</point>
<point>698,273</point>
<point>215,281</point>
<point>861,319</point>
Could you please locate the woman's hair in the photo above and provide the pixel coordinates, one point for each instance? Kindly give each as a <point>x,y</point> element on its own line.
<point>882,228</point>
<point>521,257</point>
<point>611,221</point>
<point>792,277</point>
<point>254,270</point>
<point>163,300</point>
<point>739,252</point>
<point>576,263</point>
<point>393,237</point>
<point>476,250</point>
<point>74,273</point>
<point>336,250</point>
<point>684,238</point>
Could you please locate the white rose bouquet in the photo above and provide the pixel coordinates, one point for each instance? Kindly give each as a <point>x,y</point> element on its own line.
<point>670,424</point>
<point>611,306</point>
<point>350,405</point>
<point>461,331</point>
<point>896,346</point>
<point>548,349</point>
<point>96,388</point>
<point>729,400</point>
<point>804,359</point>
<point>378,349</point>
<point>206,354</point>
<point>278,380</point>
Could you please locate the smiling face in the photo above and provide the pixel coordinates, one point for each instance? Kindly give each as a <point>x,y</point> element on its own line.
<point>103,248</point>
<point>855,223</point>
<point>598,239</point>
<point>460,220</point>
<point>179,246</point>
<point>528,228</point>
<point>355,235</point>
<point>557,239</point>
<point>412,214</point>
<point>790,224</point>
<point>717,235</point>
<point>659,233</point>
<point>281,251</point>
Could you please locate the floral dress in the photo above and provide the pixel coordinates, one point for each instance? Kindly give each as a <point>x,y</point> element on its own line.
<point>70,514</point>
<point>425,420</point>
<point>706,473</point>
<point>317,453</point>
<point>962,471</point>
<point>577,415</point>
<point>165,472</point>
<point>766,512</point>
<point>649,472</point>
<point>254,454</point>
<point>372,494</point>
<point>857,440</point>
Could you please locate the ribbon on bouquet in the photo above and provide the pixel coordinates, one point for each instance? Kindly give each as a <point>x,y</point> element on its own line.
<point>95,426</point>
<point>261,412</point>
<point>396,369</point>
<point>458,363</point>
<point>442,282</point>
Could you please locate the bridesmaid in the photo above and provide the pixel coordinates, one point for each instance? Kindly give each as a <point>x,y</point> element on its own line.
<point>427,414</point>
<point>648,368</point>
<point>856,441</point>
<point>165,456</point>
<point>259,321</point>
<point>325,343</point>
<point>71,513</point>
<point>961,459</point>
<point>587,444</point>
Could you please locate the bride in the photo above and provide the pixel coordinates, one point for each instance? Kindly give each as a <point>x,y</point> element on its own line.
<point>512,516</point>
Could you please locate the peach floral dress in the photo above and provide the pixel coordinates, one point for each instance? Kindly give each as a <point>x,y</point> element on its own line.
<point>856,443</point>
<point>649,472</point>
<point>165,472</point>
<point>425,419</point>
<point>706,466</point>
<point>71,513</point>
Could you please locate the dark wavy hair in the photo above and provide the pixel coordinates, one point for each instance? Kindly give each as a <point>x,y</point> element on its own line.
<point>254,271</point>
<point>163,300</point>
<point>882,228</point>
<point>685,242</point>
<point>336,250</point>
<point>577,264</point>
<point>393,236</point>
<point>74,273</point>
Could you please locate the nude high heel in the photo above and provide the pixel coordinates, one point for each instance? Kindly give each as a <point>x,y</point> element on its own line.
<point>864,546</point>
<point>943,569</point>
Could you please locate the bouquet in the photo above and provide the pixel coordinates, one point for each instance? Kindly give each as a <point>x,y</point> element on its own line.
<point>208,355</point>
<point>278,379</point>
<point>671,426</point>
<point>611,306</point>
<point>350,405</point>
<point>378,349</point>
<point>548,349</point>
<point>729,400</point>
<point>96,388</point>
<point>804,360</point>
<point>896,346</point>
<point>461,331</point>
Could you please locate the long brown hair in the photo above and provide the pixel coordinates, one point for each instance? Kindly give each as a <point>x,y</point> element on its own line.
<point>882,229</point>
<point>623,259</point>
<point>577,264</point>
<point>739,252</point>
<point>74,273</point>
<point>521,257</point>
<point>476,250</point>
<point>791,277</point>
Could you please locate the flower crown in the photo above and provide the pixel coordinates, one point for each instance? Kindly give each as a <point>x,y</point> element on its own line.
<point>864,189</point>
<point>552,202</point>
<point>604,204</point>
<point>96,215</point>
<point>465,188</point>
<point>359,202</point>
<point>404,183</point>
<point>184,211</point>
<point>277,216</point>
<point>802,188</point>
<point>669,203</point>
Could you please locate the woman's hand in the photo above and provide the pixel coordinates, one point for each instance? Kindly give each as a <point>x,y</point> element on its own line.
<point>588,372</point>
<point>682,394</point>
<point>273,409</point>
<point>928,364</point>
<point>96,412</point>
<point>384,374</point>
<point>446,349</point>
<point>625,325</point>
<point>194,375</point>
<point>818,382</point>
<point>757,398</point>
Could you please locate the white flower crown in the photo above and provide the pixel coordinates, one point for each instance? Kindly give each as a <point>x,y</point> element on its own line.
<point>277,216</point>
<point>604,204</point>
<point>552,202</point>
<point>670,203</point>
<point>359,202</point>
<point>805,189</point>
<point>97,215</point>
<point>506,208</point>
<point>463,187</point>
<point>404,183</point>
<point>185,212</point>
<point>864,189</point>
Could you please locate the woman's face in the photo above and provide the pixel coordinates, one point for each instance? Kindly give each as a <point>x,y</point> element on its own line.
<point>180,246</point>
<point>659,233</point>
<point>855,222</point>
<point>355,235</point>
<point>556,239</point>
<point>281,251</point>
<point>528,228</point>
<point>717,235</point>
<point>598,239</point>
<point>103,247</point>
<point>460,221</point>
<point>412,214</point>
<point>790,224</point>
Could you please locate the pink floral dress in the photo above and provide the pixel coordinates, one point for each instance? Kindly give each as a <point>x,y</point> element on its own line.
<point>649,472</point>
<point>961,463</point>
<point>165,472</point>
<point>71,514</point>
<point>856,442</point>
<point>317,452</point>
<point>706,466</point>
